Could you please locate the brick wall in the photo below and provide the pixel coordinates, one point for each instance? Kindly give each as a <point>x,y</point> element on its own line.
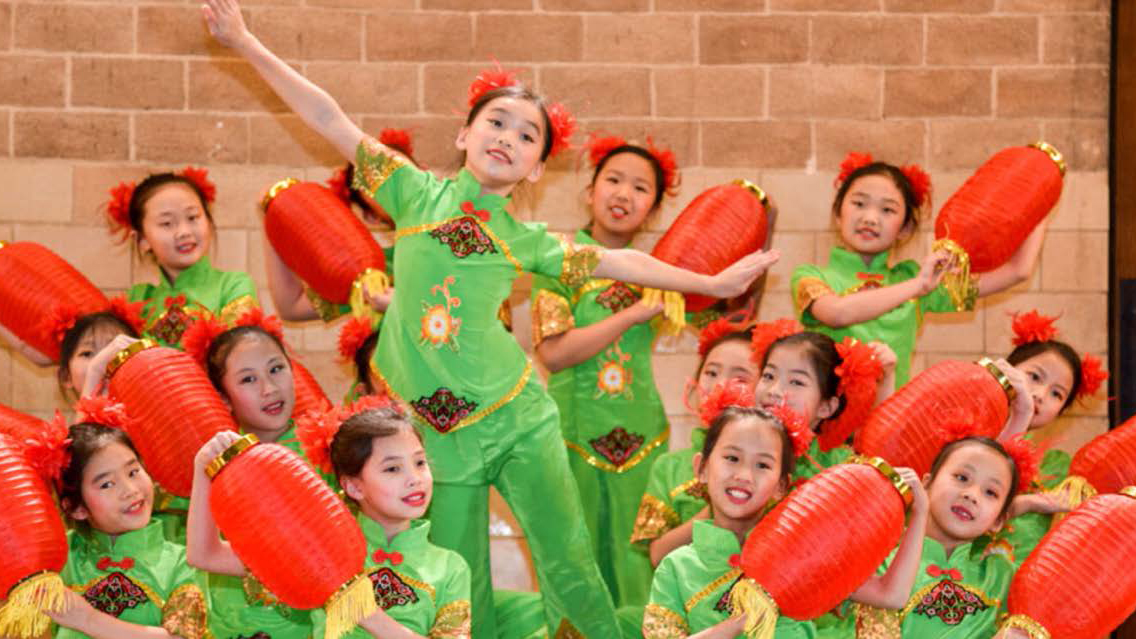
<point>773,90</point>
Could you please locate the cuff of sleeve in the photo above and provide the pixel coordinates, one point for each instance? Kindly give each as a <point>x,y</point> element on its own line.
<point>579,262</point>
<point>551,315</point>
<point>373,166</point>
<point>807,291</point>
<point>653,519</point>
<point>184,614</point>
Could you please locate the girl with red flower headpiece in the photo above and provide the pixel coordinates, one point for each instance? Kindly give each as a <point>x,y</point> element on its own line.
<point>596,341</point>
<point>859,293</point>
<point>167,215</point>
<point>442,349</point>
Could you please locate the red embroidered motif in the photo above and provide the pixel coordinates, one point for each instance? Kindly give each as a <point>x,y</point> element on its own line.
<point>617,446</point>
<point>391,590</point>
<point>114,594</point>
<point>468,208</point>
<point>617,297</point>
<point>381,555</point>
<point>951,573</point>
<point>950,603</point>
<point>698,490</point>
<point>464,237</point>
<point>871,281</point>
<point>105,564</point>
<point>443,409</point>
<point>174,323</point>
<point>723,604</point>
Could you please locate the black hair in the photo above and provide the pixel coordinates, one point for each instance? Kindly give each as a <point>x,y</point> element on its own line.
<point>75,335</point>
<point>660,186</point>
<point>520,93</point>
<point>734,413</point>
<point>354,441</point>
<point>993,445</point>
<point>820,349</point>
<point>911,208</point>
<point>147,188</point>
<point>224,343</point>
<point>1029,350</point>
<point>362,360</point>
<point>87,439</point>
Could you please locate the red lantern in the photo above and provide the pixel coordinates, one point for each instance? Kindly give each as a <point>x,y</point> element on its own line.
<point>19,426</point>
<point>907,429</point>
<point>291,531</point>
<point>41,295</point>
<point>992,213</point>
<point>323,242</point>
<point>1079,583</point>
<point>309,395</point>
<point>799,564</point>
<point>719,227</point>
<point>173,406</point>
<point>33,544</point>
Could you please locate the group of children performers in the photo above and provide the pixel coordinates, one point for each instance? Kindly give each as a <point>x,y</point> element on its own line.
<point>627,539</point>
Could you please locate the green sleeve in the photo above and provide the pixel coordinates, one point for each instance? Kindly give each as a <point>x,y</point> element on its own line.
<point>553,255</point>
<point>395,184</point>
<point>657,513</point>
<point>237,285</point>
<point>457,584</point>
<point>666,592</point>
<point>806,285</point>
<point>1054,467</point>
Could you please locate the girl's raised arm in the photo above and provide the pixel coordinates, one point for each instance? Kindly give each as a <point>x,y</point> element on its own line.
<point>314,106</point>
<point>892,589</point>
<point>204,548</point>
<point>637,267</point>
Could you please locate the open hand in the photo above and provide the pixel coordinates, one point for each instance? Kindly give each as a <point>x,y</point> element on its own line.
<point>737,277</point>
<point>932,269</point>
<point>223,17</point>
<point>918,493</point>
<point>94,383</point>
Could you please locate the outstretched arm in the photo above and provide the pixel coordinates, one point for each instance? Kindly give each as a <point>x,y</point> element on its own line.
<point>22,347</point>
<point>892,589</point>
<point>204,548</point>
<point>1020,266</point>
<point>286,289</point>
<point>839,311</point>
<point>80,615</point>
<point>314,106</point>
<point>637,267</point>
<point>577,345</point>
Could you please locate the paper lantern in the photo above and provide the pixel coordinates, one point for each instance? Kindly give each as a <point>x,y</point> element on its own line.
<point>291,531</point>
<point>33,544</point>
<point>41,295</point>
<point>799,564</point>
<point>907,428</point>
<point>318,237</point>
<point>19,426</point>
<point>309,395</point>
<point>174,409</point>
<point>719,227</point>
<point>1079,583</point>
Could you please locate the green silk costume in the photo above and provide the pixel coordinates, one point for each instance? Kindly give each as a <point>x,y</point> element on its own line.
<point>444,352</point>
<point>691,589</point>
<point>138,577</point>
<point>421,586</point>
<point>612,420</point>
<point>1023,533</point>
<point>846,273</point>
<point>673,495</point>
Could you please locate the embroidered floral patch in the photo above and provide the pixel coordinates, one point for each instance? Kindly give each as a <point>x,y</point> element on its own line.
<point>698,490</point>
<point>114,594</point>
<point>171,325</point>
<point>950,602</point>
<point>617,297</point>
<point>391,590</point>
<point>614,378</point>
<point>723,604</point>
<point>443,409</point>
<point>464,237</point>
<point>439,327</point>
<point>617,446</point>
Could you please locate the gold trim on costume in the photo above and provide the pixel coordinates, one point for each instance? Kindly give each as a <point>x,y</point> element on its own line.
<point>653,519</point>
<point>234,309</point>
<point>551,316</point>
<point>876,623</point>
<point>121,356</point>
<point>476,417</point>
<point>430,226</point>
<point>567,631</point>
<point>186,614</point>
<point>580,260</point>
<point>452,621</point>
<point>733,574</point>
<point>373,166</point>
<point>633,461</point>
<point>660,622</point>
<point>327,311</point>
<point>809,289</point>
<point>684,486</point>
<point>591,285</point>
<point>421,585</point>
<point>242,443</point>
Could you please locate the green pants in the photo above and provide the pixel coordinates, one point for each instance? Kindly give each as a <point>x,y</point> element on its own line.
<point>519,450</point>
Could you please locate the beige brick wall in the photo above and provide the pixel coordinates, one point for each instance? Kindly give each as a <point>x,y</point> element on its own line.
<point>773,90</point>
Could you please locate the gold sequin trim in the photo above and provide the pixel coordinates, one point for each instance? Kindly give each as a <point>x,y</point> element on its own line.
<point>579,262</point>
<point>326,310</point>
<point>234,309</point>
<point>688,485</point>
<point>421,585</point>
<point>1031,627</point>
<point>373,166</point>
<point>809,289</point>
<point>185,615</point>
<point>591,285</point>
<point>256,594</point>
<point>918,595</point>
<point>876,623</point>
<point>567,631</point>
<point>452,621</point>
<point>426,228</point>
<point>733,574</point>
<point>551,315</point>
<point>653,519</point>
<point>632,462</point>
<point>472,419</point>
<point>151,594</point>
<point>663,623</point>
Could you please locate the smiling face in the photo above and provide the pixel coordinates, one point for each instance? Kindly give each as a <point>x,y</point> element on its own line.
<point>503,144</point>
<point>118,495</point>
<point>258,387</point>
<point>728,360</point>
<point>790,378</point>
<point>872,215</point>
<point>395,484</point>
<point>622,196</point>
<point>743,472</point>
<point>1050,381</point>
<point>967,494</point>
<point>175,228</point>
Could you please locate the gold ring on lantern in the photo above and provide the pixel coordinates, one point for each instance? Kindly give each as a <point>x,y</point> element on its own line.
<point>1003,380</point>
<point>275,190</point>
<point>130,351</point>
<point>1128,491</point>
<point>375,281</point>
<point>758,192</point>
<point>243,443</point>
<point>891,475</point>
<point>1031,627</point>
<point>3,244</point>
<point>1053,154</point>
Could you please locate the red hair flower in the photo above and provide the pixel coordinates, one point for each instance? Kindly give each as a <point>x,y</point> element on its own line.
<point>563,127</point>
<point>200,179</point>
<point>1027,459</point>
<point>49,451</point>
<point>715,331</point>
<point>127,311</point>
<point>854,160</point>
<point>352,335</point>
<point>599,147</point>
<point>316,430</point>
<point>200,335</point>
<point>859,372</point>
<point>795,425</point>
<point>101,410</point>
<point>118,209</point>
<point>1032,327</point>
<point>765,333</point>
<point>58,320</point>
<point>271,324</point>
<point>399,140</point>
<point>722,396</point>
<point>490,80</point>
<point>1092,376</point>
<point>920,183</point>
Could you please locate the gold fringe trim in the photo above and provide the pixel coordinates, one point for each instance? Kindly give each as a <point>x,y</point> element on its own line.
<point>551,315</point>
<point>375,282</point>
<point>958,282</point>
<point>748,598</point>
<point>22,615</point>
<point>674,309</point>
<point>1021,622</point>
<point>353,602</point>
<point>733,574</point>
<point>632,462</point>
<point>1072,491</point>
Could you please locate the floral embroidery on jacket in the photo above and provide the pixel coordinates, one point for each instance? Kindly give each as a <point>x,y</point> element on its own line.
<point>439,326</point>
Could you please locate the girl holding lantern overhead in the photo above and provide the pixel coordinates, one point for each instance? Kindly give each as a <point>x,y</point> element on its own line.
<point>859,293</point>
<point>442,349</point>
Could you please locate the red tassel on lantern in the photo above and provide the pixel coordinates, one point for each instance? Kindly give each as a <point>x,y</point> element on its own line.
<point>798,564</point>
<point>41,295</point>
<point>320,239</point>
<point>309,395</point>
<point>992,213</point>
<point>1079,583</point>
<point>174,407</point>
<point>291,531</point>
<point>906,429</point>
<point>33,544</point>
<point>719,227</point>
